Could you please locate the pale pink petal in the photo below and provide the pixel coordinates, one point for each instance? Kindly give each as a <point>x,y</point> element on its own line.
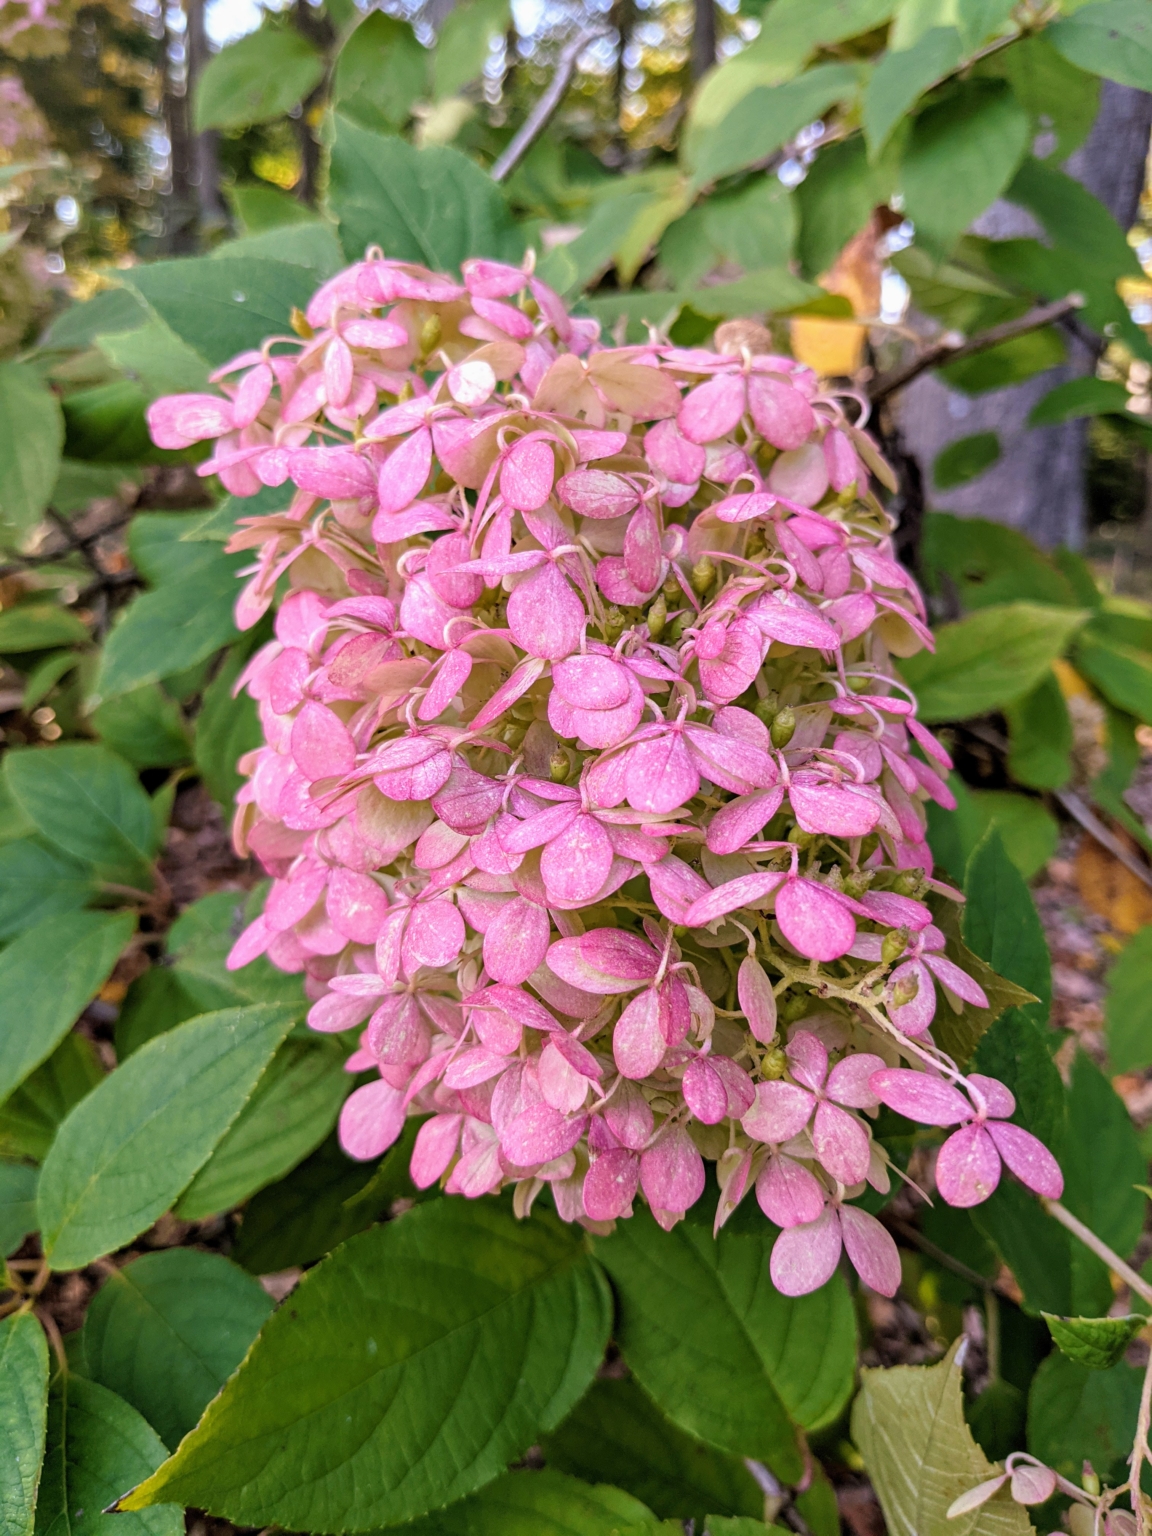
<point>974,1497</point>
<point>1032,1485</point>
<point>968,1167</point>
<point>628,1116</point>
<point>803,1258</point>
<point>539,1134</point>
<point>914,1017</point>
<point>957,981</point>
<point>780,412</point>
<point>672,1172</point>
<point>638,1043</point>
<point>527,473</point>
<point>815,920</point>
<point>322,745</point>
<point>516,941</point>
<point>356,905</point>
<point>873,1252</point>
<point>435,1147</point>
<point>1000,1101</point>
<point>808,1059</point>
<point>757,999</point>
<point>781,1111</point>
<point>741,819</point>
<point>434,935</point>
<point>545,615</point>
<point>252,942</point>
<point>744,891</point>
<point>841,1144</point>
<point>712,409</point>
<point>704,1091</point>
<point>788,1194</point>
<point>592,682</point>
<point>371,1120</point>
<point>404,473</point>
<point>610,1184</point>
<point>575,865</point>
<point>661,776</point>
<point>925,1099</point>
<point>849,1082</point>
<point>1028,1158</point>
<point>833,809</point>
<point>642,553</point>
<point>675,886</point>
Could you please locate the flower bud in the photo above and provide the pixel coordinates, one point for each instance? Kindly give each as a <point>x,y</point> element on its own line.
<point>773,1063</point>
<point>429,334</point>
<point>905,991</point>
<point>703,575</point>
<point>559,766</point>
<point>299,324</point>
<point>657,617</point>
<point>894,945</point>
<point>794,1008</point>
<point>614,624</point>
<point>767,708</point>
<point>907,882</point>
<point>784,726</point>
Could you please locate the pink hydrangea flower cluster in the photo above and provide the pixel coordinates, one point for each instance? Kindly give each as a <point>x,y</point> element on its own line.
<point>589,792</point>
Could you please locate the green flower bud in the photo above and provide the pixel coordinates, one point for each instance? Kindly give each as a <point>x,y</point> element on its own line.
<point>784,726</point>
<point>703,575</point>
<point>894,945</point>
<point>905,991</point>
<point>657,617</point>
<point>767,708</point>
<point>559,766</point>
<point>614,624</point>
<point>773,1063</point>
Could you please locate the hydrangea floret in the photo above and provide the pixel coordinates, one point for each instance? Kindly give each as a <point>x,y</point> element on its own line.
<point>589,791</point>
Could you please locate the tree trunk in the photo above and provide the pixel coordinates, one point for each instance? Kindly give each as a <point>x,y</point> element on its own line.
<point>319,31</point>
<point>703,37</point>
<point>1038,483</point>
<point>205,167</point>
<point>180,211</point>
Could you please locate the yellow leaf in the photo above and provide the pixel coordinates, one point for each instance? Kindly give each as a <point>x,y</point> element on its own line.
<point>830,347</point>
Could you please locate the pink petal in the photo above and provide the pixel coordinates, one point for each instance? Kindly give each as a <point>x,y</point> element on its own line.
<point>592,682</point>
<point>539,1134</point>
<point>841,1144</point>
<point>914,1017</point>
<point>661,776</point>
<point>781,1111</point>
<point>814,920</point>
<point>610,1184</point>
<point>741,819</point>
<point>712,409</point>
<point>435,1147</point>
<point>252,942</point>
<point>957,981</point>
<point>873,1252</point>
<point>628,1116</point>
<point>575,865</point>
<point>1028,1158</point>
<point>833,809</point>
<point>925,1099</point>
<point>968,1167</point>
<point>545,615</point>
<point>896,911</point>
<point>371,1120</point>
<point>404,473</point>
<point>356,905</point>
<point>782,415</point>
<point>672,1172</point>
<point>786,617</point>
<point>1000,1100</point>
<point>808,1059</point>
<point>849,1082</point>
<point>744,891</point>
<point>757,999</point>
<point>788,1194</point>
<point>516,941</point>
<point>672,455</point>
<point>704,1091</point>
<point>803,1258</point>
<point>527,473</point>
<point>638,1043</point>
<point>606,961</point>
<point>642,553</point>
<point>434,935</point>
<point>675,886</point>
<point>1033,1485</point>
<point>597,493</point>
<point>322,745</point>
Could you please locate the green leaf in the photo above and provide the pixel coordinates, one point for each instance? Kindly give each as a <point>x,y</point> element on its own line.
<point>23,1419</point>
<point>226,727</point>
<point>1029,832</point>
<point>97,1446</point>
<point>29,1117</point>
<point>1009,363</point>
<point>312,245</point>
<point>38,882</point>
<point>908,1424</point>
<point>726,1356</point>
<point>1128,1005</point>
<point>166,1331</point>
<point>112,309</point>
<point>1040,732</point>
<point>223,306</point>
<point>1097,1342</point>
<point>958,1033</point>
<point>45,675</point>
<point>106,425</point>
<point>1125,619</point>
<point>767,117</point>
<point>1002,925</point>
<point>979,19</point>
<point>157,359</point>
<point>989,659</point>
<point>145,727</point>
<point>86,800</point>
<point>432,205</point>
<point>988,563</point>
<point>31,439</point>
<point>1103,1162</point>
<point>1078,573</point>
<point>961,154</point>
<point>965,459</point>
<point>1079,397</point>
<point>292,1110</point>
<point>1074,219</point>
<point>1077,1415</point>
<point>997,1418</point>
<point>155,1003</point>
<point>1122,673</point>
<point>1015,1051</point>
<point>450,1339</point>
<point>463,44</point>
<point>163,632</point>
<point>737,1525</point>
<point>616,1434</point>
<point>37,626</point>
<point>200,941</point>
<point>258,208</point>
<point>754,227</point>
<point>256,79</point>
<point>47,975</point>
<point>1060,99</point>
<point>17,1207</point>
<point>836,200</point>
<point>128,1149</point>
<point>1035,1247</point>
<point>899,79</point>
<point>541,1504</point>
<point>381,72</point>
<point>1113,39</point>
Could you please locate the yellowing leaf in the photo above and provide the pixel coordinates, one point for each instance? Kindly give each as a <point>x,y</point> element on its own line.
<point>908,1423</point>
<point>832,348</point>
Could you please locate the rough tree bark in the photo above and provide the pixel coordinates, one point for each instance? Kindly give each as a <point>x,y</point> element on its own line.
<point>703,37</point>
<point>1038,483</point>
<point>205,160</point>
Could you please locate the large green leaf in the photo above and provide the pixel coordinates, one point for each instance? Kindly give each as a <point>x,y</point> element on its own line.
<point>767,117</point>
<point>17,1205</point>
<point>312,245</point>
<point>1002,925</point>
<point>1077,1414</point>
<point>1060,98</point>
<point>29,1117</point>
<point>959,1033</point>
<point>199,942</point>
<point>617,1434</point>
<point>726,1356</point>
<point>256,79</point>
<point>1015,1052</point>
<point>463,43</point>
<point>381,71</point>
<point>432,205</point>
<point>836,200</point>
<point>145,727</point>
<point>128,1149</point>
<point>38,882</point>
<point>988,563</point>
<point>900,78</point>
<point>1076,398</point>
<point>1128,1005</point>
<point>908,1424</point>
<point>223,306</point>
<point>965,459</point>
<point>112,309</point>
<point>87,801</point>
<point>292,1110</point>
<point>36,626</point>
<point>1122,673</point>
<point>542,1504</point>
<point>989,659</point>
<point>47,975</point>
<point>1103,1163</point>
<point>157,359</point>
<point>31,439</point>
<point>97,1446</point>
<point>1011,362</point>
<point>409,1368</point>
<point>166,1332</point>
<point>961,154</point>
<point>1035,1248</point>
<point>155,1003</point>
<point>1040,732</point>
<point>226,727</point>
<point>1113,39</point>
<point>23,1415</point>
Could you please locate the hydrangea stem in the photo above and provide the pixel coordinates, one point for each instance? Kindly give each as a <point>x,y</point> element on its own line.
<point>1099,1248</point>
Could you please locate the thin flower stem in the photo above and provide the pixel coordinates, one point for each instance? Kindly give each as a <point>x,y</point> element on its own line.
<point>992,1331</point>
<point>1140,1452</point>
<point>1099,1248</point>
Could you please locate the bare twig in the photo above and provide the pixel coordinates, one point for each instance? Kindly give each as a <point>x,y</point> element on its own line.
<point>952,348</point>
<point>945,1260</point>
<point>1092,824</point>
<point>1100,1248</point>
<point>541,114</point>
